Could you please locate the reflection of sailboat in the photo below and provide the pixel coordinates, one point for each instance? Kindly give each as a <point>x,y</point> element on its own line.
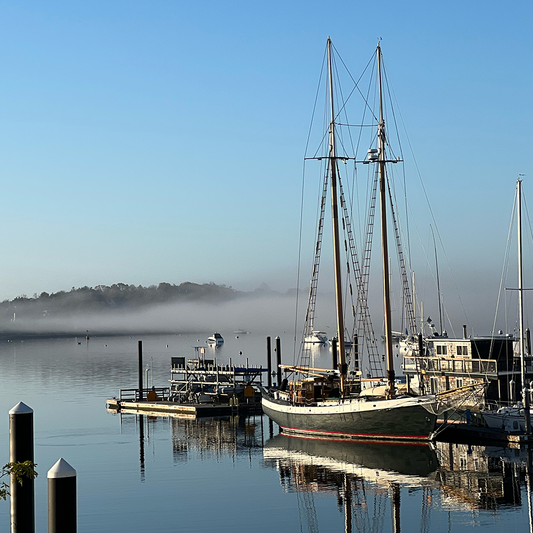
<point>354,472</point>
<point>327,403</point>
<point>392,462</point>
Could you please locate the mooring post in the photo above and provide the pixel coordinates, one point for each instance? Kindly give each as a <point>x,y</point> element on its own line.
<point>62,514</point>
<point>278,360</point>
<point>356,352</point>
<point>20,450</point>
<point>140,370</point>
<point>334,353</point>
<point>269,362</point>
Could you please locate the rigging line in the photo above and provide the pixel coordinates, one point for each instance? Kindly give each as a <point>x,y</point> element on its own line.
<point>355,149</point>
<point>432,213</point>
<point>356,125</point>
<point>320,77</point>
<point>406,290</point>
<point>392,98</point>
<point>439,238</point>
<point>429,268</point>
<point>370,174</point>
<point>316,101</point>
<point>524,202</point>
<point>298,270</point>
<point>388,86</point>
<point>345,113</point>
<point>505,268</point>
<point>356,83</point>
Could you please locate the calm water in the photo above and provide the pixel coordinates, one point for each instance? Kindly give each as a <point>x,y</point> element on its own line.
<point>169,474</point>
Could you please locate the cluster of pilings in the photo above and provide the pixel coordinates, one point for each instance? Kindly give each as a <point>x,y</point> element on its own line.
<point>62,514</point>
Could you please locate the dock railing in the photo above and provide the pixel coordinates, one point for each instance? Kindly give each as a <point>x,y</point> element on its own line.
<point>163,393</point>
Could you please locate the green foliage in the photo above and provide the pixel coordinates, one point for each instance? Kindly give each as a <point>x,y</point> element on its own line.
<point>20,471</point>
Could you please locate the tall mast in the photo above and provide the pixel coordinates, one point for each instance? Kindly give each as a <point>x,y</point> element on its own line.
<point>384,241</point>
<point>438,281</point>
<point>525,394</point>
<point>335,218</point>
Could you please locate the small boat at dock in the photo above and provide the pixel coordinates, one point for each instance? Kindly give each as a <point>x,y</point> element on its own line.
<point>317,337</point>
<point>216,339</point>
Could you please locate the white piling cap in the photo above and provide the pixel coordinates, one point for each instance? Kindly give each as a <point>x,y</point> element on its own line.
<point>61,469</point>
<point>21,409</point>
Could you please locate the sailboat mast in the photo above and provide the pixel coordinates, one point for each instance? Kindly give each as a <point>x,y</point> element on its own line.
<point>438,281</point>
<point>335,219</point>
<point>384,241</point>
<point>525,396</point>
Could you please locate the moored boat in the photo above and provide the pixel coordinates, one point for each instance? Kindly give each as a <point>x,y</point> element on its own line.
<point>327,403</point>
<point>317,337</point>
<point>215,339</point>
<point>516,417</point>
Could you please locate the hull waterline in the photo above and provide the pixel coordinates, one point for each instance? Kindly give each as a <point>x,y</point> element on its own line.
<point>398,419</point>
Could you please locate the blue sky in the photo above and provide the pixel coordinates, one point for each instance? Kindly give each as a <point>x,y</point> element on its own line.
<point>143,142</point>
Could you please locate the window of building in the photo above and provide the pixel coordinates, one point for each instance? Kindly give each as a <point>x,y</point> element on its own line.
<point>442,350</point>
<point>459,382</point>
<point>434,385</point>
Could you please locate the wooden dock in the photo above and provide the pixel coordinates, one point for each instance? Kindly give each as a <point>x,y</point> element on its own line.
<point>190,410</point>
<point>156,407</point>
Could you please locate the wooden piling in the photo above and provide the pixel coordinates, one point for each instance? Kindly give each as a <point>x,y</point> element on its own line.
<point>140,351</point>
<point>269,362</point>
<point>334,353</point>
<point>278,360</point>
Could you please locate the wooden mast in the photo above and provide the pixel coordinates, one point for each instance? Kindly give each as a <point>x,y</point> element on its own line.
<point>335,218</point>
<point>384,241</point>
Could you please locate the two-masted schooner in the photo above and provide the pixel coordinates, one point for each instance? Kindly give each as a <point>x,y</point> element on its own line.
<point>328,403</point>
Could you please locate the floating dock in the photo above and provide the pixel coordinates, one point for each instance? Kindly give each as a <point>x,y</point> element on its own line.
<point>199,387</point>
<point>162,407</point>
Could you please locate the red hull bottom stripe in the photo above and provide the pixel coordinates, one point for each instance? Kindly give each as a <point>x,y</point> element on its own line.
<point>352,436</point>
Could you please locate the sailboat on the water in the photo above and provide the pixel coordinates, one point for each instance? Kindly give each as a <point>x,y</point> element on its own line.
<point>516,418</point>
<point>329,403</point>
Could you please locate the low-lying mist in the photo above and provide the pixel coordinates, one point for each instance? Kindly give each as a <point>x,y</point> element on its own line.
<point>273,314</point>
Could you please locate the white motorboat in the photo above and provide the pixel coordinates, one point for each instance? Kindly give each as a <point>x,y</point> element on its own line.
<point>317,337</point>
<point>216,339</point>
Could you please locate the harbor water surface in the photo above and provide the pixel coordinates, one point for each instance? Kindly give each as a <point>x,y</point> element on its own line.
<point>147,473</point>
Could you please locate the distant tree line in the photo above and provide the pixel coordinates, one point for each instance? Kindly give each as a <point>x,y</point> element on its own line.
<point>117,296</point>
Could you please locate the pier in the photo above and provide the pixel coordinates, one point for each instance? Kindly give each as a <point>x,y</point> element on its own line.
<point>199,387</point>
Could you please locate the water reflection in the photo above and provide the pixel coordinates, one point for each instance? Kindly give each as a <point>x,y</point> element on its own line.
<point>216,437</point>
<point>362,476</point>
<point>480,477</point>
<point>368,486</point>
<point>197,438</point>
<point>370,480</point>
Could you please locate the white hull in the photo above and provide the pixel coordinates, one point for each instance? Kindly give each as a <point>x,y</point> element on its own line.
<point>507,418</point>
